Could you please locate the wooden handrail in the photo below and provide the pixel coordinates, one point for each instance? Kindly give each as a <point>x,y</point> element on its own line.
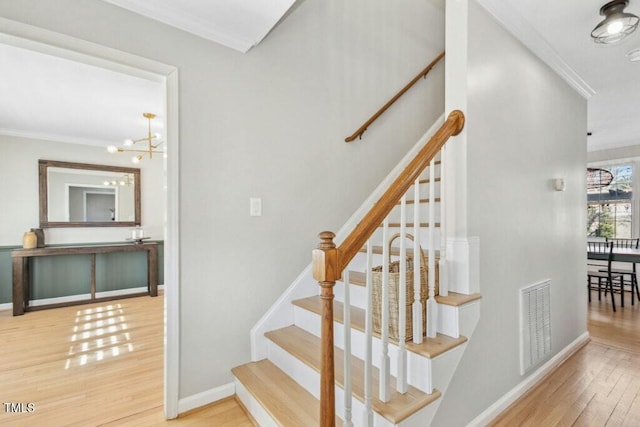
<point>359,236</point>
<point>330,261</point>
<point>422,74</point>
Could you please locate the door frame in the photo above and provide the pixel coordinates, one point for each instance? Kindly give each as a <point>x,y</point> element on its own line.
<point>53,43</point>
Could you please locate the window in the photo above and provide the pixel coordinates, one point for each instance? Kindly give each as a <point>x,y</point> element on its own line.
<point>610,201</point>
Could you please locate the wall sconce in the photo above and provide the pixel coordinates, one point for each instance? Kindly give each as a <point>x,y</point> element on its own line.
<point>560,184</point>
<point>150,149</point>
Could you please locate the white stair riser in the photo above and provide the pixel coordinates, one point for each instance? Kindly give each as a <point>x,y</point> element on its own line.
<point>424,190</point>
<point>358,298</point>
<point>254,407</point>
<point>460,320</point>
<point>424,236</point>
<point>423,417</point>
<point>418,367</point>
<point>309,379</point>
<point>448,320</point>
<point>359,262</point>
<point>394,215</point>
<point>445,365</point>
<point>469,318</point>
<point>357,294</point>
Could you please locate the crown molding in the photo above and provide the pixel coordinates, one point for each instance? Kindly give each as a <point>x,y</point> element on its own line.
<point>522,30</point>
<point>177,18</point>
<point>45,136</point>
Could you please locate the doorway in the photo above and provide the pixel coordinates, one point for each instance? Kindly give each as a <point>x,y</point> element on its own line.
<point>40,40</point>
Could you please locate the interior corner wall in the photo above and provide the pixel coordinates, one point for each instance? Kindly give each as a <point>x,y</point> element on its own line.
<point>270,123</point>
<point>20,193</point>
<point>525,127</point>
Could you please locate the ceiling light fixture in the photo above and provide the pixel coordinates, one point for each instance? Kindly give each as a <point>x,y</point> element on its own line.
<point>634,55</point>
<point>151,147</point>
<point>617,25</point>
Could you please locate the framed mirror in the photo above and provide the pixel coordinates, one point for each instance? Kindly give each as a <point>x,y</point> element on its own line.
<point>87,195</point>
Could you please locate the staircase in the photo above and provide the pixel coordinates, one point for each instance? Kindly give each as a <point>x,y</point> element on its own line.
<point>281,387</point>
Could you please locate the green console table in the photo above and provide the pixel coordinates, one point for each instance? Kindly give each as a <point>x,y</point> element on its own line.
<point>20,260</point>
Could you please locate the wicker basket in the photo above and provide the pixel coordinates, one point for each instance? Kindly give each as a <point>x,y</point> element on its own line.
<point>394,286</point>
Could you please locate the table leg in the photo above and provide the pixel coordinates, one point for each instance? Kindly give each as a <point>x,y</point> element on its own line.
<point>93,276</point>
<point>152,270</point>
<point>18,285</point>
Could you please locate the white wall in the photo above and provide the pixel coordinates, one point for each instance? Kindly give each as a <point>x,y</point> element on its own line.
<point>19,189</point>
<point>271,124</point>
<point>525,126</point>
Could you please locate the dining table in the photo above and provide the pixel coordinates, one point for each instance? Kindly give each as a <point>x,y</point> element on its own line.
<point>618,255</point>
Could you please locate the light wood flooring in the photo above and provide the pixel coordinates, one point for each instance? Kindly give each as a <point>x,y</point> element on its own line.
<point>101,365</point>
<point>93,365</point>
<point>598,386</point>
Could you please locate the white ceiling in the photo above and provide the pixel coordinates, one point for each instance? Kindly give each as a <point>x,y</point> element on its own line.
<point>59,99</point>
<point>559,31</point>
<point>238,24</point>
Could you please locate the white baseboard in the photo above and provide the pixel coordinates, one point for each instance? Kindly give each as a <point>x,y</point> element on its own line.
<point>206,397</point>
<point>81,297</point>
<point>518,391</point>
<point>58,300</point>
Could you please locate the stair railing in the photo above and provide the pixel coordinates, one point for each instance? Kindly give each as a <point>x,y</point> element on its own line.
<point>385,107</point>
<point>329,264</point>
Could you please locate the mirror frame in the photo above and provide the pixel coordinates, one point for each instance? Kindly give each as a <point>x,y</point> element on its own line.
<point>43,166</point>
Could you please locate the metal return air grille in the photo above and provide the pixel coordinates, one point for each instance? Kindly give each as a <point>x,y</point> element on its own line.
<point>535,324</point>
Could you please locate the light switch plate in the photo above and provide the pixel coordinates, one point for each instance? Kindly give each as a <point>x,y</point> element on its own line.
<point>255,206</point>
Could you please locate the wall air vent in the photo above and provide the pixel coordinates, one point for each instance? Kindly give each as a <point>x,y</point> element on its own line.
<point>535,324</point>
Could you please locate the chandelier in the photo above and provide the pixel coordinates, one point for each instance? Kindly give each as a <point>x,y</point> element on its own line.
<point>148,140</point>
<point>598,178</point>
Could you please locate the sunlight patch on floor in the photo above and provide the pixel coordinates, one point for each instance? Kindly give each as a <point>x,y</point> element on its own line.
<point>99,333</point>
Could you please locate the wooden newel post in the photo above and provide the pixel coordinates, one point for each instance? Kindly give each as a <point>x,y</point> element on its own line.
<point>326,271</point>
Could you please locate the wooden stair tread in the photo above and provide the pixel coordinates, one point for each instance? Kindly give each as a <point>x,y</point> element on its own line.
<point>284,399</point>
<point>410,225</point>
<point>456,300</point>
<point>395,251</point>
<point>427,200</point>
<point>430,347</point>
<point>359,278</point>
<point>306,348</point>
<point>426,181</point>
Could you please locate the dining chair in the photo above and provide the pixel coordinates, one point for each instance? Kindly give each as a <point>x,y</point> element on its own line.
<point>603,275</point>
<point>627,272</point>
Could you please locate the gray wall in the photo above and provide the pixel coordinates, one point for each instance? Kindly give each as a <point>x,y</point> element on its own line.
<point>525,127</point>
<point>270,124</point>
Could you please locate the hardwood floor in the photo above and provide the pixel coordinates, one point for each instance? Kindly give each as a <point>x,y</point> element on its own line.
<point>101,365</point>
<point>92,365</point>
<point>598,386</point>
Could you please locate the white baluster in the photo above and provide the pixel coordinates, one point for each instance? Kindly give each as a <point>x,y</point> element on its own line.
<point>384,387</point>
<point>432,307</point>
<point>347,350</point>
<point>443,264</point>
<point>368,332</point>
<point>417,287</point>
<point>401,383</point>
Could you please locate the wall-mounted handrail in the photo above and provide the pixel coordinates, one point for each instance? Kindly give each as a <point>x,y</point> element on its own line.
<point>422,74</point>
<point>330,261</point>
